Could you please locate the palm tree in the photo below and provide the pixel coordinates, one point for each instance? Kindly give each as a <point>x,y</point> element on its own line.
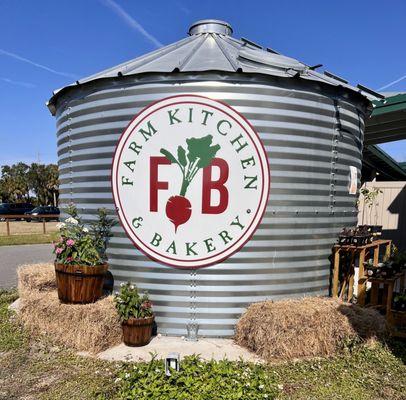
<point>14,182</point>
<point>18,180</point>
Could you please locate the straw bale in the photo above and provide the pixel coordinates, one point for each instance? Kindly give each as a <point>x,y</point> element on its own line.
<point>88,327</point>
<point>308,327</point>
<point>39,277</point>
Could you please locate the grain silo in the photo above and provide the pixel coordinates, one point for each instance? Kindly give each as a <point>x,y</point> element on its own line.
<point>233,168</point>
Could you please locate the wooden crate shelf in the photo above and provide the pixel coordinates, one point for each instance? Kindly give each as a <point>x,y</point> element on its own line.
<point>357,255</point>
<point>395,319</point>
<point>344,288</point>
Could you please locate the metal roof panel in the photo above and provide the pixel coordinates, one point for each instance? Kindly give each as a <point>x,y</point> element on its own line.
<point>211,48</point>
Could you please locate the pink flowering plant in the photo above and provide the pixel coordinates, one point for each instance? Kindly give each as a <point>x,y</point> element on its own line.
<point>83,245</point>
<point>131,304</point>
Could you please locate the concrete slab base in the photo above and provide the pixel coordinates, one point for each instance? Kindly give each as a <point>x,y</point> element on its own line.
<point>15,306</point>
<point>207,348</point>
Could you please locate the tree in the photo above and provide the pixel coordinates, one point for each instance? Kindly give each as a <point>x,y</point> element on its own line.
<point>53,182</point>
<point>371,200</point>
<point>19,181</point>
<point>14,183</point>
<point>43,181</point>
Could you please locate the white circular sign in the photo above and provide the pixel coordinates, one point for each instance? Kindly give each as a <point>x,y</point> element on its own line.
<point>190,181</point>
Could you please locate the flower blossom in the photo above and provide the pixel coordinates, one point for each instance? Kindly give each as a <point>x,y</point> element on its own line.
<point>146,305</point>
<point>85,230</point>
<point>70,242</point>
<point>72,221</point>
<point>60,225</point>
<point>58,250</point>
<point>69,259</point>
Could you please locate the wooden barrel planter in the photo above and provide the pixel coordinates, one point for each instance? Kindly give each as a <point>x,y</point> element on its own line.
<point>80,284</point>
<point>137,331</point>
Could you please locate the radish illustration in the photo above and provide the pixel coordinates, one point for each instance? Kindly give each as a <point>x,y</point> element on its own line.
<point>200,154</point>
<point>178,210</point>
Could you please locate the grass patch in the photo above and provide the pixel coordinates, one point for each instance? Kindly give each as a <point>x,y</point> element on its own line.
<point>361,374</point>
<point>37,238</point>
<point>7,296</point>
<point>49,373</point>
<point>12,336</point>
<point>37,369</point>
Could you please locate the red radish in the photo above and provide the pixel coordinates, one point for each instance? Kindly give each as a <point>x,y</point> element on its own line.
<point>178,210</point>
<point>200,155</point>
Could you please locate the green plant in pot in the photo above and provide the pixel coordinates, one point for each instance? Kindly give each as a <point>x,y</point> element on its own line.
<point>136,315</point>
<point>80,257</point>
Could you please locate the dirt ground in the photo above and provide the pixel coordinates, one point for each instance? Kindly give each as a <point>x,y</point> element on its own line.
<point>26,228</point>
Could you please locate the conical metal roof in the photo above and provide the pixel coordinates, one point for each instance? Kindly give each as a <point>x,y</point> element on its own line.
<point>210,47</point>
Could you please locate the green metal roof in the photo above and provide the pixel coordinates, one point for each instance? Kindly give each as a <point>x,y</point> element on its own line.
<point>386,124</point>
<point>388,120</point>
<point>375,158</point>
<point>389,104</point>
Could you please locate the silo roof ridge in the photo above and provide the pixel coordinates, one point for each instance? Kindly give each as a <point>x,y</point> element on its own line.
<point>209,47</point>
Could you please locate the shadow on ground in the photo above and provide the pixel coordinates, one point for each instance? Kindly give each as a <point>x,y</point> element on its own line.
<point>373,327</point>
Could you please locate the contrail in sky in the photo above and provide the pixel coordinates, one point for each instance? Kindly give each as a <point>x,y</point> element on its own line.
<point>26,60</point>
<point>392,83</point>
<point>130,21</point>
<point>183,8</point>
<point>19,83</point>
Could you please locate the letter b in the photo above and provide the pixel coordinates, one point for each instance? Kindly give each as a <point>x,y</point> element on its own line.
<point>209,185</point>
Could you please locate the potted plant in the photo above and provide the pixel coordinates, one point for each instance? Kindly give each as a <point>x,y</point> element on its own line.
<point>81,261</point>
<point>373,271</point>
<point>136,315</point>
<point>362,236</point>
<point>345,236</point>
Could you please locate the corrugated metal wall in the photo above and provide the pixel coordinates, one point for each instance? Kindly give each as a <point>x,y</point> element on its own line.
<point>389,211</point>
<point>311,140</point>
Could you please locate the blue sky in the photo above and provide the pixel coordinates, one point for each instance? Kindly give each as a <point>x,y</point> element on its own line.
<point>46,44</point>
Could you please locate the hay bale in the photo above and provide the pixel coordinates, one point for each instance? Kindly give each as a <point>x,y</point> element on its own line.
<point>309,327</point>
<point>88,327</point>
<point>39,277</point>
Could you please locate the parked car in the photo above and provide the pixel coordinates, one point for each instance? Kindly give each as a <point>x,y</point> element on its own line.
<point>14,209</point>
<point>44,210</point>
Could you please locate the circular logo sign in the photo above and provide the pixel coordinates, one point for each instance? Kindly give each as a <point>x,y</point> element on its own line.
<point>190,181</point>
